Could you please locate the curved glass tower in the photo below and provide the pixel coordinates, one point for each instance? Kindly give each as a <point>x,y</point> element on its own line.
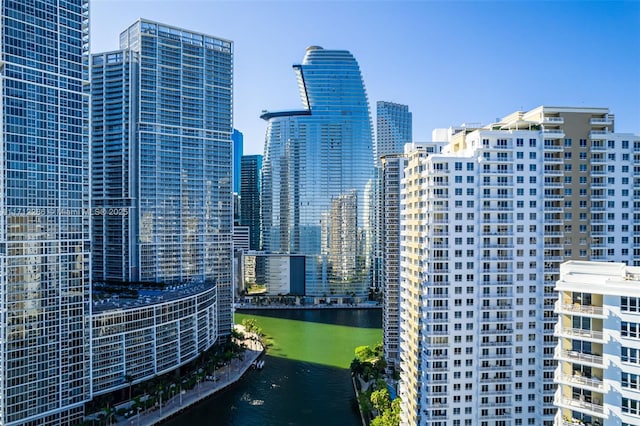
<point>317,172</point>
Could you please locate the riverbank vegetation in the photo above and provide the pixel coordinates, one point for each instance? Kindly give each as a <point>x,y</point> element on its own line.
<point>376,403</point>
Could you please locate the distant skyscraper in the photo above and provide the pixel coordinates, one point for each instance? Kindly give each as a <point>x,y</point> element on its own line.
<point>162,160</point>
<point>393,128</point>
<point>238,139</point>
<point>485,225</point>
<point>317,173</point>
<point>393,131</point>
<point>598,344</point>
<point>45,222</point>
<point>250,185</point>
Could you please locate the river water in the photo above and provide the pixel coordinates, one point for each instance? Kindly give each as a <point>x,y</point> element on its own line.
<point>306,379</point>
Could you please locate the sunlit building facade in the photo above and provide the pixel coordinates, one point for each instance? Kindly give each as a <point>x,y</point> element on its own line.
<point>45,293</point>
<point>162,160</point>
<point>598,373</point>
<point>317,176</point>
<point>484,228</point>
<point>138,339</point>
<point>394,128</point>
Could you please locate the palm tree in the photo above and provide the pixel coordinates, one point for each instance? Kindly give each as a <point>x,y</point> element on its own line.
<point>129,379</point>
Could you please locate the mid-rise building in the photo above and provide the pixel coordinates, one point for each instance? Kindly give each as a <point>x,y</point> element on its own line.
<point>162,160</point>
<point>317,176</point>
<point>484,228</point>
<point>45,294</point>
<point>598,373</point>
<point>250,187</point>
<point>394,128</point>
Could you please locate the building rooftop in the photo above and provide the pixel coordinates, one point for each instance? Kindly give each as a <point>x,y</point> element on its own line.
<point>108,301</point>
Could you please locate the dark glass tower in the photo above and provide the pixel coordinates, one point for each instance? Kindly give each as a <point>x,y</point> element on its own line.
<point>250,185</point>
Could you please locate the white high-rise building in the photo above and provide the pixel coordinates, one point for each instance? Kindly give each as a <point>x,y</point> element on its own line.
<point>484,227</point>
<point>598,374</point>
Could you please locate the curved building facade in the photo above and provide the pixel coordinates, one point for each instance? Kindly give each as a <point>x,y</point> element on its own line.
<point>317,172</point>
<point>139,339</point>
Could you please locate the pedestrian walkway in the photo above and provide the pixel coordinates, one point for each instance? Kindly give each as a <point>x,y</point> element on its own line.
<point>223,377</point>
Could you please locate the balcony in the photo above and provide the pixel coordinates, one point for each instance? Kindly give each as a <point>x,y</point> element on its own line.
<point>552,146</point>
<point>553,133</point>
<point>598,135</point>
<point>575,308</point>
<point>592,408</point>
<point>580,333</point>
<point>601,121</point>
<point>591,383</point>
<point>575,356</point>
<point>552,120</point>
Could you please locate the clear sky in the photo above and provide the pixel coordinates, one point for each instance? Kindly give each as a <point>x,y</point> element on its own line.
<point>451,62</point>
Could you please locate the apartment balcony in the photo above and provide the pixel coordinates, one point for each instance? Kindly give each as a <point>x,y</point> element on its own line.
<point>553,133</point>
<point>508,343</point>
<point>594,408</point>
<point>578,357</point>
<point>553,146</point>
<point>494,331</point>
<point>599,135</point>
<point>552,120</point>
<point>494,367</point>
<point>579,333</point>
<point>504,307</point>
<point>601,121</point>
<point>576,308</point>
<point>590,383</point>
<point>561,421</point>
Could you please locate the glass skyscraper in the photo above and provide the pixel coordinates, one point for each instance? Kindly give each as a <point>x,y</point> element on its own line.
<point>250,185</point>
<point>393,128</point>
<point>317,175</point>
<point>162,160</point>
<point>238,139</point>
<point>44,225</point>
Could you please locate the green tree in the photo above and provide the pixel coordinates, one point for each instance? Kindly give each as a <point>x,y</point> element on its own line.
<point>390,417</point>
<point>381,400</point>
<point>364,353</point>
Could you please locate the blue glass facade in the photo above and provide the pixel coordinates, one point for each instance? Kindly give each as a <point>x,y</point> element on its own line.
<point>317,175</point>
<point>162,174</point>
<point>393,128</point>
<point>44,225</point>
<point>238,139</point>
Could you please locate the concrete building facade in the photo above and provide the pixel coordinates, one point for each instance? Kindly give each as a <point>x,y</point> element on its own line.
<point>484,228</point>
<point>598,369</point>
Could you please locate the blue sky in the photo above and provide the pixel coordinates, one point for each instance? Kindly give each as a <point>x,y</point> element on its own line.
<point>451,62</point>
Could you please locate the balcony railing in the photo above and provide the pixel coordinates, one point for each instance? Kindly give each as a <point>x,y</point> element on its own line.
<point>580,309</point>
<point>578,332</point>
<point>580,405</point>
<point>574,356</point>
<point>580,381</point>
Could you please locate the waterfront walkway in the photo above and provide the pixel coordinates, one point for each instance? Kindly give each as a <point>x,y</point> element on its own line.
<point>224,377</point>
